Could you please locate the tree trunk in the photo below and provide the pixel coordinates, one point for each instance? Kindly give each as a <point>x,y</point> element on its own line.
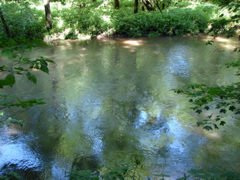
<point>116,4</point>
<point>48,14</point>
<point>156,3</point>
<point>135,6</point>
<point>6,28</point>
<point>148,5</point>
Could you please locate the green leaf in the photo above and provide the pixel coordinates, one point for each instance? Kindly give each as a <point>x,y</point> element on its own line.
<point>15,121</point>
<point>2,83</point>
<point>199,123</point>
<point>19,68</point>
<point>222,123</point>
<point>40,103</point>
<point>215,126</point>
<point>194,108</point>
<point>223,111</point>
<point>218,119</point>
<point>210,42</point>
<point>210,116</point>
<point>43,62</point>
<point>206,107</point>
<point>11,42</point>
<point>232,108</point>
<point>208,128</point>
<point>8,53</point>
<point>178,91</point>
<point>44,69</point>
<point>31,77</point>
<point>223,96</point>
<point>2,68</point>
<point>199,111</point>
<point>10,80</point>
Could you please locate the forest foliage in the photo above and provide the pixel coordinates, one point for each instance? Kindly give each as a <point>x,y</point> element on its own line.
<point>73,18</point>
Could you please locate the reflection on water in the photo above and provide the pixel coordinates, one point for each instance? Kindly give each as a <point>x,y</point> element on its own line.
<point>111,101</point>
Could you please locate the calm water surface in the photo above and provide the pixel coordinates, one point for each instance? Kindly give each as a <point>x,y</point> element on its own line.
<point>110,101</point>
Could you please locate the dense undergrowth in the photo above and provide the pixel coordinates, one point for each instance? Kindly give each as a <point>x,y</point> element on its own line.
<point>23,20</point>
<point>73,20</point>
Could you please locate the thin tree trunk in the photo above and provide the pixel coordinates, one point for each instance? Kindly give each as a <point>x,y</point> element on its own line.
<point>148,5</point>
<point>135,6</point>
<point>48,14</point>
<point>116,4</point>
<point>6,28</point>
<point>156,2</point>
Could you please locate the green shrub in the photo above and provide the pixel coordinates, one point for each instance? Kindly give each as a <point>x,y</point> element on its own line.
<point>177,21</point>
<point>153,34</point>
<point>134,25</point>
<point>185,20</point>
<point>85,21</point>
<point>23,21</point>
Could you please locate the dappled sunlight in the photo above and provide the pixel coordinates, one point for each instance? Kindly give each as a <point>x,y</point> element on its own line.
<point>212,134</point>
<point>133,42</point>
<point>193,4</point>
<point>63,36</point>
<point>217,39</point>
<point>60,23</point>
<point>106,18</point>
<point>228,46</point>
<point>226,43</point>
<point>222,39</point>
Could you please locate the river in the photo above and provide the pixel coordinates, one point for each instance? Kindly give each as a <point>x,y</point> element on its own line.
<point>110,104</point>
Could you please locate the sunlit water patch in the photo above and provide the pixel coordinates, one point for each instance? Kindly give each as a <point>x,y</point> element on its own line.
<point>15,154</point>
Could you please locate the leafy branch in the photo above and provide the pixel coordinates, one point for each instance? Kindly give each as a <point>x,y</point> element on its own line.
<point>21,65</point>
<point>221,98</point>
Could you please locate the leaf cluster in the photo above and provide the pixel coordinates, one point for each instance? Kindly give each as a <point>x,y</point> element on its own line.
<point>11,49</point>
<point>174,21</point>
<point>227,25</point>
<point>119,171</point>
<point>10,176</point>
<point>222,98</point>
<point>213,174</point>
<point>19,65</point>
